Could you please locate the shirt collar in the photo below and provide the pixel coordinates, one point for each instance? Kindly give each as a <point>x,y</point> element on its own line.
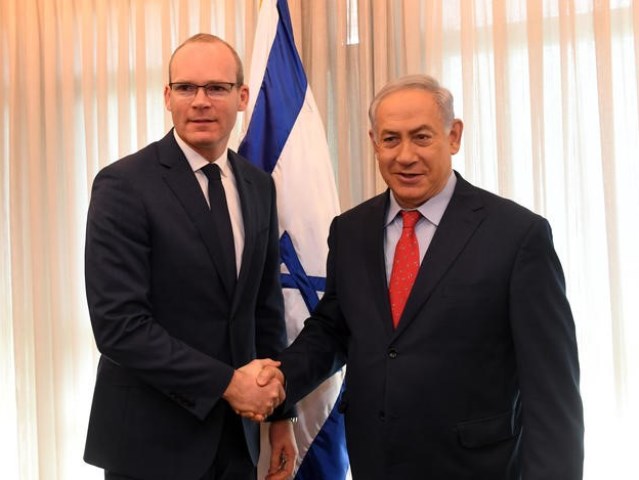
<point>197,161</point>
<point>432,209</point>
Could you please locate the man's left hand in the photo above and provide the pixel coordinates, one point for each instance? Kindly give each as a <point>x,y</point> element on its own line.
<point>283,450</point>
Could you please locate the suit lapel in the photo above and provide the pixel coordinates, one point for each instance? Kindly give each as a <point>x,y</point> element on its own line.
<point>373,228</point>
<point>181,180</point>
<point>464,214</point>
<point>248,197</point>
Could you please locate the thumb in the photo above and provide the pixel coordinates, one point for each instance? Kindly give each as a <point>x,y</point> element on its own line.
<point>277,459</point>
<point>267,375</point>
<point>268,362</point>
<point>255,366</point>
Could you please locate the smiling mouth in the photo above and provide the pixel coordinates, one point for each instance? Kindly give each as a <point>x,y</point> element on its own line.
<point>409,178</point>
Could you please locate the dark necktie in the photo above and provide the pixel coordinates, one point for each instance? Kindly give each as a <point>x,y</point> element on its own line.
<point>405,265</point>
<point>221,220</point>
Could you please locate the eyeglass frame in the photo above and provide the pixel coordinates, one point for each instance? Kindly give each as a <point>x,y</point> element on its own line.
<point>224,92</point>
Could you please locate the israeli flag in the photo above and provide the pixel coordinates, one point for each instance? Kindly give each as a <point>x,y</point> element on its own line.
<point>285,137</point>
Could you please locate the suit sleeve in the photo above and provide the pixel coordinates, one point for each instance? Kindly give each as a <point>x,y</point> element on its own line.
<point>118,279</point>
<point>270,336</point>
<point>320,349</point>
<point>547,361</point>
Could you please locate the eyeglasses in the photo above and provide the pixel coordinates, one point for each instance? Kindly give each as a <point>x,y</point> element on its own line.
<point>212,90</point>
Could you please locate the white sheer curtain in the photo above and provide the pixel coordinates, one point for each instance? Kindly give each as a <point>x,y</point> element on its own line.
<point>548,91</point>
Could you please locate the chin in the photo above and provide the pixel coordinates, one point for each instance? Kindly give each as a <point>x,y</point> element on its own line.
<point>202,139</point>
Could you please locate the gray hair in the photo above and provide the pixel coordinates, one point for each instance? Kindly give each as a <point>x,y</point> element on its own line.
<point>443,97</point>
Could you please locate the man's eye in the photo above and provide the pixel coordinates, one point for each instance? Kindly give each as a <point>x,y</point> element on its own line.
<point>185,87</point>
<point>390,140</point>
<point>422,138</point>
<point>216,88</point>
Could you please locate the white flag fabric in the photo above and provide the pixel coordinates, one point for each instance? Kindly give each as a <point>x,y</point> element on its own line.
<point>285,137</point>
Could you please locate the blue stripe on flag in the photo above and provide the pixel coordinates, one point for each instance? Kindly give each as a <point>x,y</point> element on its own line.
<point>289,281</point>
<point>279,100</point>
<point>327,457</point>
<point>300,280</point>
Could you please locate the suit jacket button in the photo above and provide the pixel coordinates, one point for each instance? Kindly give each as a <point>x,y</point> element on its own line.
<point>392,353</point>
<point>382,416</point>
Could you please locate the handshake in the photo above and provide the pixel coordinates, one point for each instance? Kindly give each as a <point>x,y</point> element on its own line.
<point>256,389</point>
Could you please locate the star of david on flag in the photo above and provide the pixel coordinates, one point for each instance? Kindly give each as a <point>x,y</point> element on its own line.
<point>285,136</point>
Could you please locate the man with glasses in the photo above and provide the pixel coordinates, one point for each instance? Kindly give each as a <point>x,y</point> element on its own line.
<point>182,278</point>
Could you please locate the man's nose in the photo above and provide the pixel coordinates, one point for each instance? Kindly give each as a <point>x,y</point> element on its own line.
<point>406,152</point>
<point>200,97</point>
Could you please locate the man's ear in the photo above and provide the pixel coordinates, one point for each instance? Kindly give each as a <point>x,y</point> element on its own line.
<point>167,97</point>
<point>455,136</point>
<point>244,97</point>
<point>371,135</point>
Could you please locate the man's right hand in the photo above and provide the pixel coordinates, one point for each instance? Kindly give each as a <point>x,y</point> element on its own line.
<point>268,374</point>
<point>251,400</point>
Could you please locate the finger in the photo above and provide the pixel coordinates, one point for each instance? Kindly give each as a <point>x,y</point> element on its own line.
<point>278,468</point>
<point>260,363</point>
<point>287,468</point>
<point>280,474</point>
<point>276,460</point>
<point>256,417</point>
<point>255,366</point>
<point>273,394</point>
<point>266,375</point>
<point>289,455</point>
<point>281,395</point>
<point>269,362</point>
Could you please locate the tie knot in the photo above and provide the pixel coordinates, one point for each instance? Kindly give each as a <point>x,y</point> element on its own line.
<point>410,218</point>
<point>212,171</point>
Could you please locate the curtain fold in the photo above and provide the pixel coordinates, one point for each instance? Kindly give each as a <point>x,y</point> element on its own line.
<point>549,95</point>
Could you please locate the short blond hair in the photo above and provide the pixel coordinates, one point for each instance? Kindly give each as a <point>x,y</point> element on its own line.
<point>209,38</point>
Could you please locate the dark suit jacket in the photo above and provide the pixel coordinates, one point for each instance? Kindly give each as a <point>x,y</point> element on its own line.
<point>169,330</point>
<point>480,379</point>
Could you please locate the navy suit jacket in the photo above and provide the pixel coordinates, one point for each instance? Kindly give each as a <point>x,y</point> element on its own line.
<point>169,329</point>
<point>480,379</point>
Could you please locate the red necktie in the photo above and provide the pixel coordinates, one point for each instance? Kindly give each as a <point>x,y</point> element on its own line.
<point>405,265</point>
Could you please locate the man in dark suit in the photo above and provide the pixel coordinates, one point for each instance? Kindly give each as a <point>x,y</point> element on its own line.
<point>182,277</point>
<point>477,376</point>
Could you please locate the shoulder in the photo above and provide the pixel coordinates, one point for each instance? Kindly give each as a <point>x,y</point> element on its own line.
<point>500,221</point>
<point>142,173</point>
<point>362,221</point>
<point>144,160</point>
<point>495,206</point>
<point>244,168</point>
<point>367,210</point>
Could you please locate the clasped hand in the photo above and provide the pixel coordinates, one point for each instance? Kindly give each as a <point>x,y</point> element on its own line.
<point>256,389</point>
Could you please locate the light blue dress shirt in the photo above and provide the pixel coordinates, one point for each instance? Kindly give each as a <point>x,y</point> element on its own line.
<point>432,212</point>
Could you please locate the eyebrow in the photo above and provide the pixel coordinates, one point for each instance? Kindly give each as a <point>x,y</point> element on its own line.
<point>411,132</point>
<point>208,82</point>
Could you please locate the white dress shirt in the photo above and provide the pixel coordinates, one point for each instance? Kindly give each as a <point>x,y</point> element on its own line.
<point>197,161</point>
